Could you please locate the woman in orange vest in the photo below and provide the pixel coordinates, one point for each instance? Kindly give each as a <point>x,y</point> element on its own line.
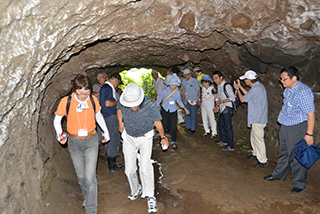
<point>82,111</point>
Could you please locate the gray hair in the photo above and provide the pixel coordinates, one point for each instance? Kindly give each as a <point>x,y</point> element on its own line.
<point>99,75</point>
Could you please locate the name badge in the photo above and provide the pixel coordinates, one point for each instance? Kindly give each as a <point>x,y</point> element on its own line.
<point>171,102</point>
<point>82,133</point>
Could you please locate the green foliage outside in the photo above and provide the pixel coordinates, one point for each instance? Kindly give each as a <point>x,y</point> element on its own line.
<point>141,77</point>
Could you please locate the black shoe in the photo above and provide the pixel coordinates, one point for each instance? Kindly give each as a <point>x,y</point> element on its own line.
<point>269,178</point>
<point>252,157</point>
<point>186,130</point>
<point>296,190</point>
<point>113,166</point>
<point>227,148</point>
<point>192,131</point>
<point>174,146</point>
<point>260,165</point>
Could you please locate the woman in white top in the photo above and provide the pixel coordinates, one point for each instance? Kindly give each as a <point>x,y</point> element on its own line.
<point>208,103</point>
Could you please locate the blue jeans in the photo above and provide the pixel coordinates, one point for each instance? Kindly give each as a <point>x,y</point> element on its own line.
<point>113,146</point>
<point>84,156</point>
<point>191,119</point>
<point>225,126</point>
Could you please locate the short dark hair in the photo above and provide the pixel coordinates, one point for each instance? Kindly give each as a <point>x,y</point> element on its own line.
<point>218,73</point>
<point>202,81</point>
<point>82,81</point>
<point>254,81</point>
<point>291,71</point>
<point>175,70</point>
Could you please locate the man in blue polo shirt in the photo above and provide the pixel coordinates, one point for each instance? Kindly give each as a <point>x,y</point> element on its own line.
<point>297,119</point>
<point>108,99</point>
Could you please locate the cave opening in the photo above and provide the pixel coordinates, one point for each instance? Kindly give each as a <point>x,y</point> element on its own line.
<point>47,43</point>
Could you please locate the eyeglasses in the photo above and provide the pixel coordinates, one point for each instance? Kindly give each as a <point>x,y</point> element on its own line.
<point>83,93</point>
<point>284,79</point>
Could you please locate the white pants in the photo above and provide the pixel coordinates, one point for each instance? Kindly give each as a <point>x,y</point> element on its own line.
<point>257,142</point>
<point>209,119</point>
<point>131,145</point>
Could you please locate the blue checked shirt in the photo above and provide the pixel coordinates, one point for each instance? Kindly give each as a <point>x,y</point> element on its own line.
<point>297,103</point>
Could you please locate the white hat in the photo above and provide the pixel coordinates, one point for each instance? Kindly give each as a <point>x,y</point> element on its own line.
<point>132,95</point>
<point>186,71</point>
<point>251,75</point>
<point>198,69</point>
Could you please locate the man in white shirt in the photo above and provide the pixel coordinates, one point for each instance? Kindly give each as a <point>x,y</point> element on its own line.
<point>225,97</point>
<point>158,84</point>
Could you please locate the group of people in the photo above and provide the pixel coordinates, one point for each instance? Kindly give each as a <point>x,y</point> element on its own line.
<point>297,116</point>
<point>132,117</point>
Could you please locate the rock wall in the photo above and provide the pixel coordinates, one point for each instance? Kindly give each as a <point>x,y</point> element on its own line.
<point>45,44</point>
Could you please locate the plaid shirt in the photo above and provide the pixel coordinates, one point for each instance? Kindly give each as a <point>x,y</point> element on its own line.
<point>297,103</point>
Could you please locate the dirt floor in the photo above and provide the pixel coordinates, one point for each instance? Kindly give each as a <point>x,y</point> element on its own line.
<point>197,178</point>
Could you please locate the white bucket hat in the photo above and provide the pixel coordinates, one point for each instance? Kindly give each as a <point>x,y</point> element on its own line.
<point>251,75</point>
<point>132,95</point>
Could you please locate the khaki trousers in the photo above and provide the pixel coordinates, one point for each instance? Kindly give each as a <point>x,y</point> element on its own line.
<point>257,142</point>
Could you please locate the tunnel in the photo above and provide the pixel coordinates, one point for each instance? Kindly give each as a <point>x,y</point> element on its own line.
<point>46,44</point>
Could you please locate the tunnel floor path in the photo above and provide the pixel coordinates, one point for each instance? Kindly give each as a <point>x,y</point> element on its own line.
<point>197,178</point>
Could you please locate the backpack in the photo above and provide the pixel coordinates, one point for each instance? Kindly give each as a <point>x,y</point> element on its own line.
<point>69,102</point>
<point>236,103</point>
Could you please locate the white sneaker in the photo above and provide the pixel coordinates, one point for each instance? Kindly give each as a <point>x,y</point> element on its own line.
<point>134,196</point>
<point>152,205</point>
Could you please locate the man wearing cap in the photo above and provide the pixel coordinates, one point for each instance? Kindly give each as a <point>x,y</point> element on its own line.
<point>108,100</point>
<point>101,77</point>
<point>257,118</point>
<point>158,84</point>
<point>297,119</point>
<point>198,73</point>
<point>137,114</point>
<point>190,89</point>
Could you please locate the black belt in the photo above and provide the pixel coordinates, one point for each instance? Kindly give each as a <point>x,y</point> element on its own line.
<point>136,136</point>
